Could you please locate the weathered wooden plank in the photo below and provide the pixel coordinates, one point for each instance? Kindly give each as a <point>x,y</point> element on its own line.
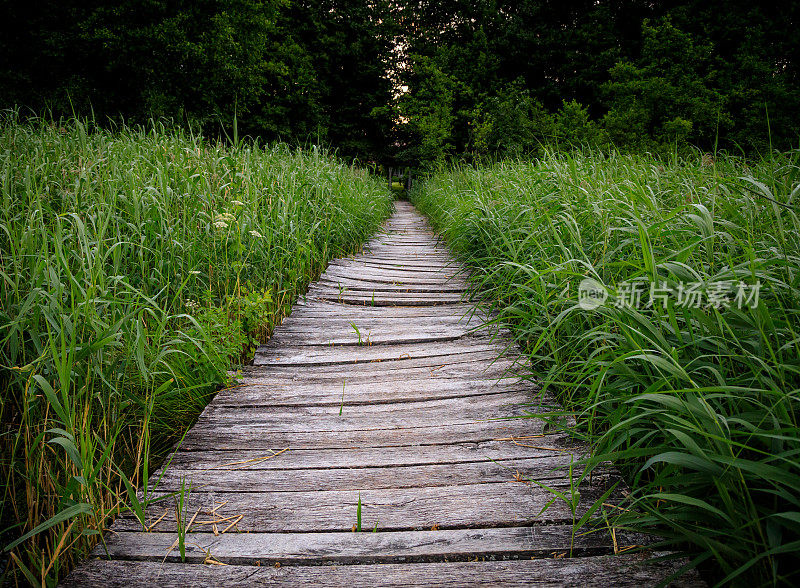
<point>348,354</point>
<point>494,504</point>
<point>298,356</point>
<point>555,446</point>
<point>300,338</point>
<point>357,335</point>
<point>480,364</point>
<point>405,241</point>
<point>322,314</point>
<point>351,422</point>
<point>424,268</point>
<point>342,330</point>
<point>364,548</point>
<point>405,287</point>
<point>287,421</point>
<point>385,298</point>
<point>379,252</point>
<point>386,288</point>
<point>258,437</point>
<point>382,415</point>
<point>323,308</point>
<point>391,326</point>
<point>595,571</point>
<point>408,240</point>
<point>407,278</point>
<point>391,273</point>
<point>394,324</point>
<point>391,323</point>
<point>400,267</point>
<point>225,479</point>
<point>401,253</point>
<point>350,393</point>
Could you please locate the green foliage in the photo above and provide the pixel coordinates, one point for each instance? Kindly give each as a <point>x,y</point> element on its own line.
<point>335,71</point>
<point>573,126</point>
<point>222,334</point>
<point>652,75</point>
<point>669,94</point>
<point>429,112</point>
<point>234,328</point>
<point>511,124</point>
<point>135,269</point>
<point>699,406</point>
<point>294,70</point>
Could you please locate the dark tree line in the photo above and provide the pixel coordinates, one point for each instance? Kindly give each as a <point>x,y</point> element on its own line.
<point>490,77</point>
<point>478,77</point>
<point>295,70</point>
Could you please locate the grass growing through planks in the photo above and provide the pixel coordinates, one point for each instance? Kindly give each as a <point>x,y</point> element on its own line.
<point>698,405</point>
<point>135,268</point>
<point>357,526</point>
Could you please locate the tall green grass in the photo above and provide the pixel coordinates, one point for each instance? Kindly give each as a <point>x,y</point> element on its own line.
<point>698,406</point>
<point>135,268</point>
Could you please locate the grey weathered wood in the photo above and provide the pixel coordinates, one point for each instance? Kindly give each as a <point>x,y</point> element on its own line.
<point>381,415</point>
<point>394,287</point>
<point>591,572</point>
<point>556,447</point>
<point>324,308</point>
<point>402,278</point>
<point>374,353</point>
<point>366,282</point>
<point>398,286</point>
<point>477,363</point>
<point>263,437</point>
<point>356,393</point>
<point>317,331</point>
<point>463,366</point>
<point>385,298</point>
<point>494,504</point>
<point>299,324</point>
<point>302,334</point>
<point>422,268</point>
<point>548,468</point>
<point>350,421</point>
<point>345,548</point>
<point>435,320</point>
<point>419,424</point>
<point>343,337</point>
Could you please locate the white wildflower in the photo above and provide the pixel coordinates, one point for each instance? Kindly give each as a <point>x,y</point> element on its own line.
<point>237,202</point>
<point>221,221</point>
<point>257,234</point>
<point>225,217</point>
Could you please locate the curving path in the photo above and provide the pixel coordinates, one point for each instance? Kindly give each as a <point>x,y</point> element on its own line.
<point>384,387</point>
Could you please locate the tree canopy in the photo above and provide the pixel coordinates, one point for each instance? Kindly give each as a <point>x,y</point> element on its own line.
<point>418,80</point>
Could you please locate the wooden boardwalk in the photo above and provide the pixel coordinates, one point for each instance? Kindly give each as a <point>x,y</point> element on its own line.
<point>385,386</point>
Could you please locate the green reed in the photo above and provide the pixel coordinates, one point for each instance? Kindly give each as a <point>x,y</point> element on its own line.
<point>697,404</point>
<point>136,268</point>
